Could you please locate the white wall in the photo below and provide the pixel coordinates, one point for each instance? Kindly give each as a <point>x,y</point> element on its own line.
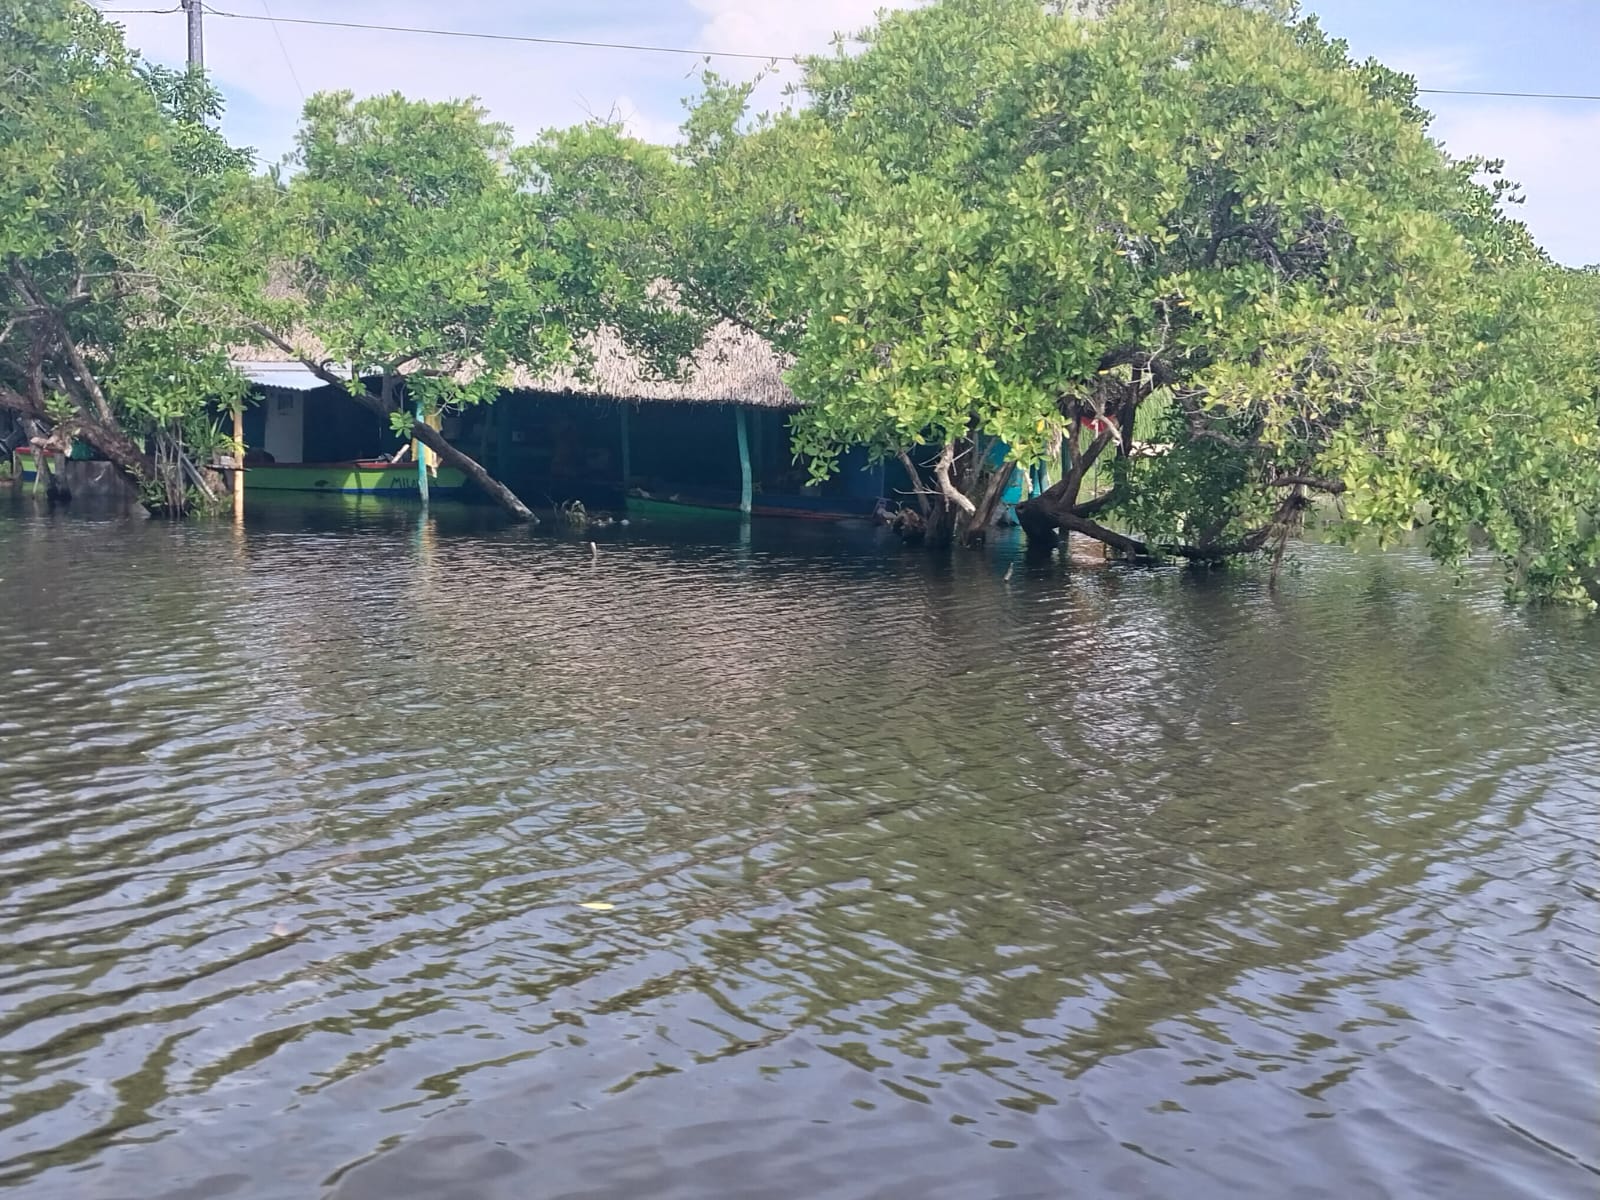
<point>286,426</point>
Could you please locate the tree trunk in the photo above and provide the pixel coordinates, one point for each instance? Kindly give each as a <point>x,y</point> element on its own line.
<point>962,506</point>
<point>940,531</point>
<point>1040,518</point>
<point>993,489</point>
<point>1052,509</point>
<point>473,470</point>
<point>111,443</point>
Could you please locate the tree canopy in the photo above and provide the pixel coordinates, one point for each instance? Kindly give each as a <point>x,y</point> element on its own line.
<point>113,188</point>
<point>1193,244</point>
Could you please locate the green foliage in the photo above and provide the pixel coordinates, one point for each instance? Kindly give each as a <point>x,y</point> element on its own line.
<point>195,106</point>
<point>415,243</point>
<point>1502,443</point>
<point>1001,221</point>
<point>112,192</point>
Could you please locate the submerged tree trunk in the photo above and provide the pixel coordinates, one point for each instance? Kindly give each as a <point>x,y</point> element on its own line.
<point>991,489</point>
<point>473,470</point>
<point>1038,527</point>
<point>56,363</point>
<point>1106,415</point>
<point>1043,515</point>
<point>940,527</point>
<point>45,448</point>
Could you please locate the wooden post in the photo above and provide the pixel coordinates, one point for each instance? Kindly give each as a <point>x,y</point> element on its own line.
<point>238,462</point>
<point>627,449</point>
<point>420,453</point>
<point>197,40</point>
<point>746,483</point>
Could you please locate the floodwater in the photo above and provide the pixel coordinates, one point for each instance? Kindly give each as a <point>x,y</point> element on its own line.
<point>357,856</point>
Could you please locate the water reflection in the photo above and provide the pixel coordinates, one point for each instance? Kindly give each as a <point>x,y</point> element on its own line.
<point>929,878</point>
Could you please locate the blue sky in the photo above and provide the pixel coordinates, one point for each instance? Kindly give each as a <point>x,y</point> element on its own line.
<point>1551,147</point>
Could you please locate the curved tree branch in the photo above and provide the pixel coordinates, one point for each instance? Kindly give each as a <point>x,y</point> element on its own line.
<point>319,369</point>
<point>941,474</point>
<point>80,366</point>
<point>917,490</point>
<point>1334,487</point>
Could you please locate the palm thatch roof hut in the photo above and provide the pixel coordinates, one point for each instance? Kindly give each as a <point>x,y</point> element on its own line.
<point>609,431</point>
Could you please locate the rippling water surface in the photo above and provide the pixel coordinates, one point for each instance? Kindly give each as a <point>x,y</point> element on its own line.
<point>925,881</point>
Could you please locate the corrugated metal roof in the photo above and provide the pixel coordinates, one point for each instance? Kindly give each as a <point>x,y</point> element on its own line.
<point>290,376</point>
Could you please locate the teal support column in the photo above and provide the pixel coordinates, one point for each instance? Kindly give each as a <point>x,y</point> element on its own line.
<point>746,483</point>
<point>627,449</point>
<point>421,455</point>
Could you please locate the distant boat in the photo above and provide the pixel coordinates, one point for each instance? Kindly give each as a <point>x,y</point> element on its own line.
<point>25,468</point>
<point>363,477</point>
<point>360,478</point>
<point>22,465</point>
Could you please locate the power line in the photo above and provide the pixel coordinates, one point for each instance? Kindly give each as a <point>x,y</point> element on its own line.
<point>683,50</point>
<point>499,37</point>
<point>287,61</point>
<point>1515,95</point>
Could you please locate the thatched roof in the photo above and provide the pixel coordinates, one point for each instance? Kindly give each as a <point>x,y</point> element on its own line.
<point>732,366</point>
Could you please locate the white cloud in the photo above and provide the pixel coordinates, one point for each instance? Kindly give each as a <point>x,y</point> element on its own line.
<point>782,29</point>
<point>1552,149</point>
<point>647,125</point>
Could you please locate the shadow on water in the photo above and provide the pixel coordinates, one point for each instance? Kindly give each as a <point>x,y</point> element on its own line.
<point>937,877</point>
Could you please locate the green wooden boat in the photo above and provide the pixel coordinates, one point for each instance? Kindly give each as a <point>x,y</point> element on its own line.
<point>364,478</point>
<point>361,478</point>
<point>25,468</point>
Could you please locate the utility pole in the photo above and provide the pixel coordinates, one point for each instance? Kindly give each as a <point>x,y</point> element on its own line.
<point>195,11</point>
